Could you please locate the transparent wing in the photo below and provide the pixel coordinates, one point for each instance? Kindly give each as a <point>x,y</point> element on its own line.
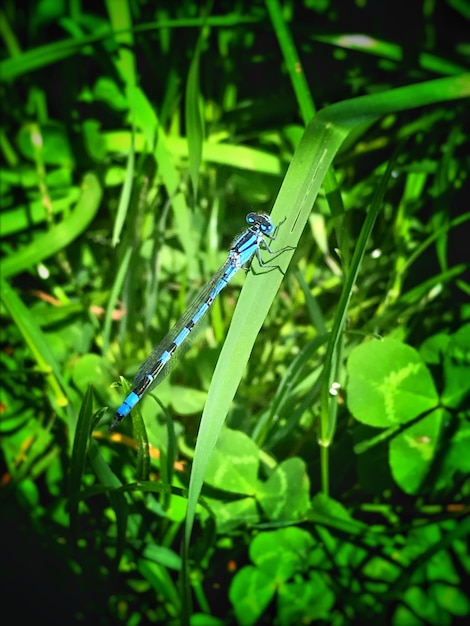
<point>153,365</point>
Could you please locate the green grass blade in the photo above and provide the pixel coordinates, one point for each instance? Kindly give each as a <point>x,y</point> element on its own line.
<point>294,66</point>
<point>242,157</point>
<point>33,59</point>
<point>194,118</point>
<point>294,203</point>
<point>121,22</point>
<point>329,404</point>
<point>125,198</point>
<point>113,298</point>
<point>314,155</point>
<point>79,454</point>
<point>390,51</point>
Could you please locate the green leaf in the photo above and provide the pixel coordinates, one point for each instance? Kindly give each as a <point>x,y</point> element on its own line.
<point>286,494</point>
<point>250,593</point>
<point>282,553</point>
<point>413,451</point>
<point>162,582</point>
<point>433,348</point>
<point>388,384</point>
<point>234,463</point>
<point>54,147</point>
<point>451,599</point>
<point>304,601</point>
<point>91,369</point>
<point>422,605</point>
<point>106,90</point>
<point>232,515</point>
<point>456,458</point>
<point>187,401</point>
<point>162,555</point>
<point>94,141</point>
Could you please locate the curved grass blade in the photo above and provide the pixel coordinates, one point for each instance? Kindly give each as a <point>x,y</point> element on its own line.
<point>61,235</point>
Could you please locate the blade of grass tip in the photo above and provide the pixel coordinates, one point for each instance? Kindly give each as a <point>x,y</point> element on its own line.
<point>168,456</point>
<point>126,192</point>
<point>319,144</point>
<point>193,115</point>
<point>113,298</point>
<point>121,23</point>
<point>61,235</point>
<point>78,457</point>
<point>117,497</point>
<point>162,582</point>
<point>143,448</point>
<point>143,114</point>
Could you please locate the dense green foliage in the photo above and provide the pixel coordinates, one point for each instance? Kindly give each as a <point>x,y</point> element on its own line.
<point>307,461</point>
